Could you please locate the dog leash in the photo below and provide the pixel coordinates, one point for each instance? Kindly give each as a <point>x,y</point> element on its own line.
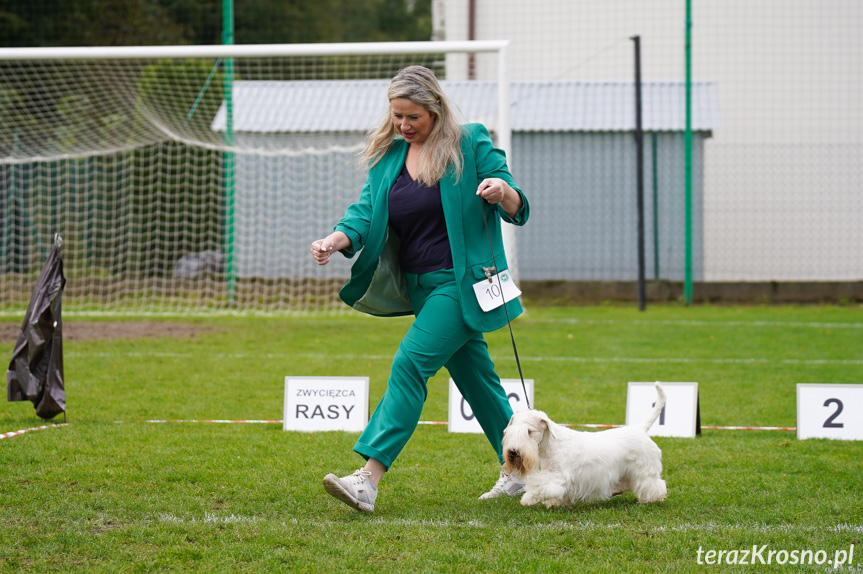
<point>489,273</point>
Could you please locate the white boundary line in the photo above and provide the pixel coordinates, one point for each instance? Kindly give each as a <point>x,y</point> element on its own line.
<point>424,423</point>
<point>842,527</point>
<point>181,314</point>
<point>339,313</point>
<point>349,357</point>
<point>436,423</point>
<point>695,323</point>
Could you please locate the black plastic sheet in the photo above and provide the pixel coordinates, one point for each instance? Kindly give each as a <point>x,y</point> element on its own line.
<point>36,371</point>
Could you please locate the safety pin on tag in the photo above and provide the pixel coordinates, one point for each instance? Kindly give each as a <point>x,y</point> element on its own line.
<point>497,290</point>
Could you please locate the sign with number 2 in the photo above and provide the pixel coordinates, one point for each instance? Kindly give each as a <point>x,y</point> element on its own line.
<point>830,411</point>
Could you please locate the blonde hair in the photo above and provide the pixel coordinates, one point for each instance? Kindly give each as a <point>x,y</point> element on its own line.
<point>442,148</point>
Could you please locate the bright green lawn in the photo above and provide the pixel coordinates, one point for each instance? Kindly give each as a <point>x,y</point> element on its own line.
<point>100,495</point>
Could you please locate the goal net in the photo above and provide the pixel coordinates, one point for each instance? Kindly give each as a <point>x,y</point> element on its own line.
<point>190,178</point>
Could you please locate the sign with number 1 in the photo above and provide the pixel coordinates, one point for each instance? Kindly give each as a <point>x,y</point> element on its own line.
<point>680,417</point>
<point>830,411</point>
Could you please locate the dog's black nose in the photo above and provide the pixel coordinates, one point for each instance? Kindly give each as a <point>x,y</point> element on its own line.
<point>513,453</point>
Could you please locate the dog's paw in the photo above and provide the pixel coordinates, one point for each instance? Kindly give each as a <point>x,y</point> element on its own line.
<point>554,503</point>
<point>653,491</point>
<point>654,499</point>
<point>528,500</point>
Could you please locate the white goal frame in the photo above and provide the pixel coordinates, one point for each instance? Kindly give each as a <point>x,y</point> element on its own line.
<point>501,47</point>
<point>502,128</point>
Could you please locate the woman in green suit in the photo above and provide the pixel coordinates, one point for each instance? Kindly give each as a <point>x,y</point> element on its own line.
<point>427,228</point>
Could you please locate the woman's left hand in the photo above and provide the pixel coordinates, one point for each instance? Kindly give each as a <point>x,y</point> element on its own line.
<point>495,190</point>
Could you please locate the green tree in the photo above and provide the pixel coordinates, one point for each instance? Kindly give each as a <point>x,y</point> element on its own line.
<point>88,23</point>
<point>164,22</point>
<point>308,21</point>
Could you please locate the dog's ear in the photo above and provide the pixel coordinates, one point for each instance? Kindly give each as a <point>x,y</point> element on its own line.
<point>548,425</point>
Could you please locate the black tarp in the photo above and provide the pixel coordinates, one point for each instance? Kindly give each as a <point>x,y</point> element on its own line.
<point>36,371</point>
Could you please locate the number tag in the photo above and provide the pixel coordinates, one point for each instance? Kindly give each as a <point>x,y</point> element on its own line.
<point>488,291</point>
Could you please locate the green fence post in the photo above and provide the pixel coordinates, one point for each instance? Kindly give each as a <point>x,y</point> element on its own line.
<point>655,158</point>
<point>687,145</point>
<point>229,175</point>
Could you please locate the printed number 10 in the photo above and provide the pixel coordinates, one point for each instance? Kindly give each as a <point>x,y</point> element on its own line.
<point>493,292</point>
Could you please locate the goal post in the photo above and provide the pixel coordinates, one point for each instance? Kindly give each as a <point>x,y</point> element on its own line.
<point>169,200</point>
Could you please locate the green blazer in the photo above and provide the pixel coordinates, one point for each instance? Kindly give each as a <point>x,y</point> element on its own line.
<point>377,285</point>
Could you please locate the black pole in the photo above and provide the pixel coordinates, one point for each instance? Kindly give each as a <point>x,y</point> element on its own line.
<point>639,163</point>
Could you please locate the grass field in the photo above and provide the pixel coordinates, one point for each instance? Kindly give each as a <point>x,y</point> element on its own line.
<point>110,492</point>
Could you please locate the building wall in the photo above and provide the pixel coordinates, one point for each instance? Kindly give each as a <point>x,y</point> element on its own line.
<point>581,187</point>
<point>583,194</point>
<point>783,187</point>
<point>284,202</point>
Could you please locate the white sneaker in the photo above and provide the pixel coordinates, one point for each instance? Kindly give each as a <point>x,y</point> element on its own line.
<point>509,484</point>
<point>355,490</point>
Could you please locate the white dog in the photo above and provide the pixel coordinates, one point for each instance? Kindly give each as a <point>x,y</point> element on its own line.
<point>583,465</point>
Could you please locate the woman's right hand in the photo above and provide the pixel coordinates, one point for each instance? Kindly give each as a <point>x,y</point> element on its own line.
<point>323,248</point>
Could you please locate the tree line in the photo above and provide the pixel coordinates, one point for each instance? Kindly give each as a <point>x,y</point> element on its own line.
<point>53,23</point>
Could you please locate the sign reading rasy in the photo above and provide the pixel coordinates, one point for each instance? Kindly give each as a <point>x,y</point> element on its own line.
<point>326,404</point>
<point>830,411</point>
<point>461,417</point>
<point>678,418</point>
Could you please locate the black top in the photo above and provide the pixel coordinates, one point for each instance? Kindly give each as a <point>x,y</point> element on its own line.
<point>416,214</point>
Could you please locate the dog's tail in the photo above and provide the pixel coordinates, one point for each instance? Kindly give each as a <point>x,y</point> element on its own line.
<point>657,409</point>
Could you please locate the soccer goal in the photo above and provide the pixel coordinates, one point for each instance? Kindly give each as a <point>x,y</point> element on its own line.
<point>188,178</point>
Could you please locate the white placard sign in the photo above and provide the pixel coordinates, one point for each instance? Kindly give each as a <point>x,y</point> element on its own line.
<point>461,417</point>
<point>830,411</point>
<point>326,404</point>
<point>679,418</point>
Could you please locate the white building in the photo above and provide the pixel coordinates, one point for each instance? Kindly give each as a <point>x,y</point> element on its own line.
<point>783,183</point>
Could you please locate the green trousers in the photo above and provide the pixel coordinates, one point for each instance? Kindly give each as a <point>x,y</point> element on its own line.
<point>438,338</point>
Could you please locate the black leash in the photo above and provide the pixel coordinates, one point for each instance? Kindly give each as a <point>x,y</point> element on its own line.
<point>489,272</point>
